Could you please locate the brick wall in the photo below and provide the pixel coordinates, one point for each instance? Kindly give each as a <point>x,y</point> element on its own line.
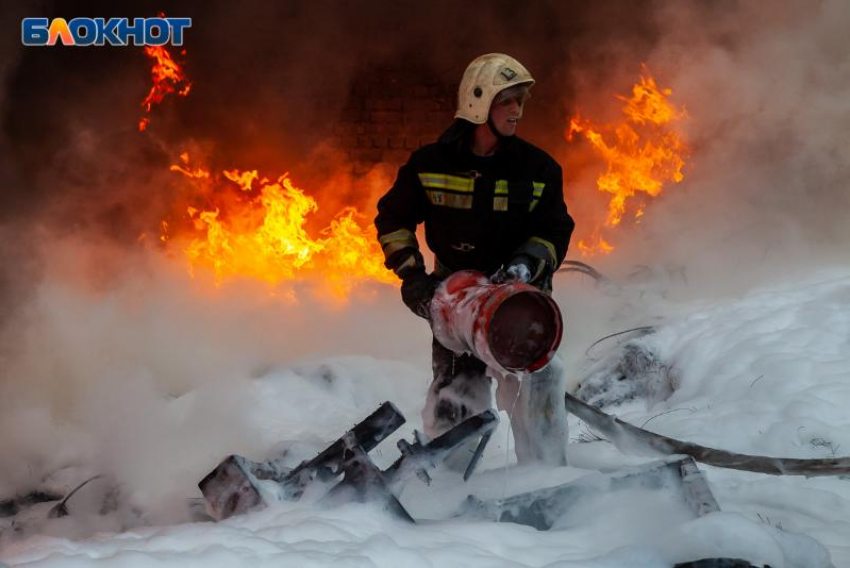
<point>390,113</point>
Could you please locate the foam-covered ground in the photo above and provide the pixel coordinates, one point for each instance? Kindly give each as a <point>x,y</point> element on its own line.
<point>764,374</point>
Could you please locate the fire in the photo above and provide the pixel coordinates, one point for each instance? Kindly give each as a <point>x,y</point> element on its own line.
<point>261,233</point>
<point>168,77</point>
<point>642,153</point>
<point>238,224</point>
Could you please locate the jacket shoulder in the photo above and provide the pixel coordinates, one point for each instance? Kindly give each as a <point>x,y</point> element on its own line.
<point>536,155</point>
<point>427,154</point>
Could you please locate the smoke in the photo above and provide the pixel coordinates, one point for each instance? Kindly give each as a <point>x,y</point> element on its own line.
<point>150,378</point>
<point>10,54</point>
<point>766,190</point>
<point>114,359</point>
<point>269,85</point>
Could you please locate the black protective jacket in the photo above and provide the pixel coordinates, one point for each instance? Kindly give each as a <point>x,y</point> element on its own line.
<point>479,213</point>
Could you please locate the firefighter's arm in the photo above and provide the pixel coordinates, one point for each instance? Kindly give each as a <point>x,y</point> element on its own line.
<point>553,225</point>
<point>400,210</point>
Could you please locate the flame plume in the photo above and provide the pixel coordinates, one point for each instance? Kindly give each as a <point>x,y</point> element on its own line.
<point>237,224</point>
<point>168,77</point>
<point>261,234</point>
<point>642,153</point>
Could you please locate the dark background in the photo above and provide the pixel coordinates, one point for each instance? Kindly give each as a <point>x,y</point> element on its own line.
<point>272,83</point>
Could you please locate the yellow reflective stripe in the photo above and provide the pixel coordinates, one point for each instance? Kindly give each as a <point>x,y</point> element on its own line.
<point>501,203</point>
<point>409,262</point>
<point>549,247</point>
<point>397,240</point>
<point>538,188</point>
<point>400,235</point>
<point>449,199</point>
<point>538,191</point>
<point>445,181</point>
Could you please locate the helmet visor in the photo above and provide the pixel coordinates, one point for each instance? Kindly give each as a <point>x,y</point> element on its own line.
<point>519,93</point>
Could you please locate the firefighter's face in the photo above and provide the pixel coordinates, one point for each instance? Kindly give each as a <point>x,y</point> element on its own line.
<point>505,112</point>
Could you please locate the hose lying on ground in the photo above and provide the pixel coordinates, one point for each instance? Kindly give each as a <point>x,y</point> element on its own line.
<point>622,433</point>
<point>583,268</point>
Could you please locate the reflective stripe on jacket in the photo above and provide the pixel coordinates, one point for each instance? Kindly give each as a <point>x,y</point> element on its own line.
<point>476,218</point>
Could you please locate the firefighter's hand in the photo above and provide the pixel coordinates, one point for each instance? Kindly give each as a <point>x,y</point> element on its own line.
<point>519,269</point>
<point>417,291</point>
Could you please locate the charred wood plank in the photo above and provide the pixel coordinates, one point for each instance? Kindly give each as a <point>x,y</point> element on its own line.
<point>11,507</point>
<point>364,482</point>
<point>235,487</point>
<point>544,508</point>
<point>366,434</point>
<point>418,457</point>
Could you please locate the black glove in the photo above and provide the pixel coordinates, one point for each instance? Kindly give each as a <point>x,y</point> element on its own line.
<point>521,268</point>
<point>417,291</point>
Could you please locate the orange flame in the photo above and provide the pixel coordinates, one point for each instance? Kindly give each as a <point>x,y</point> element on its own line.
<point>167,76</point>
<point>261,234</point>
<point>643,155</point>
<point>259,231</point>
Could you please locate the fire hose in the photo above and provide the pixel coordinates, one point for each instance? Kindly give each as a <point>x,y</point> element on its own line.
<point>515,327</point>
<point>620,432</point>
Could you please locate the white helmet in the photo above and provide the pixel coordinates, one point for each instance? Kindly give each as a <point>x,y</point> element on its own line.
<point>483,79</point>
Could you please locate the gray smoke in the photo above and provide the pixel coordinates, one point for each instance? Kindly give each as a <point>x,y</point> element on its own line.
<point>766,189</point>
<point>101,336</point>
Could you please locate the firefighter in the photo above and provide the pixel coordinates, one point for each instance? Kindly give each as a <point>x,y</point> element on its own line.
<point>494,203</point>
